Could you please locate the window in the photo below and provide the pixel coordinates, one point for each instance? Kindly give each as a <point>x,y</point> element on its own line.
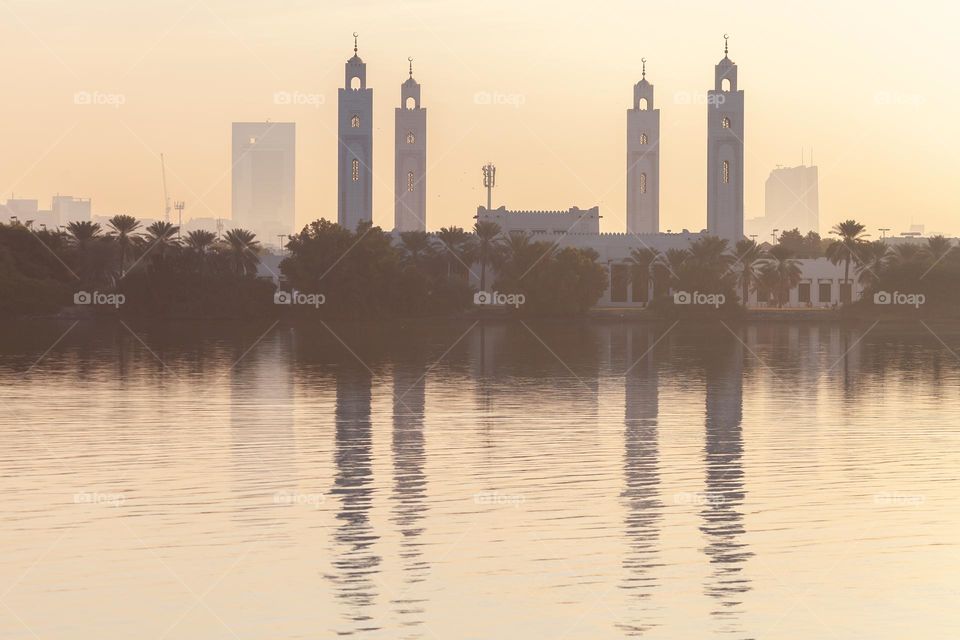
<point>643,138</point>
<point>803,292</point>
<point>355,170</point>
<point>826,295</point>
<point>410,181</point>
<point>619,279</point>
<point>726,122</point>
<point>725,84</point>
<point>846,292</point>
<point>355,122</point>
<point>644,105</point>
<point>411,138</point>
<point>726,172</point>
<point>643,183</point>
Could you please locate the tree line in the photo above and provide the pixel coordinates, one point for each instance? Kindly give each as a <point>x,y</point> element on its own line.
<point>710,265</point>
<point>369,273</point>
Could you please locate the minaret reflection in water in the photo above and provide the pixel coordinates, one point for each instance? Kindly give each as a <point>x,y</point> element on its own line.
<point>409,486</point>
<point>354,559</point>
<point>641,493</point>
<point>721,512</point>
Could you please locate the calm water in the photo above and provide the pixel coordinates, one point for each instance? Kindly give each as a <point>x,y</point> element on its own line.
<point>453,480</point>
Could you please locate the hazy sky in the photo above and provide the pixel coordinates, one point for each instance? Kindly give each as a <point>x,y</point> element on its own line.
<point>868,86</point>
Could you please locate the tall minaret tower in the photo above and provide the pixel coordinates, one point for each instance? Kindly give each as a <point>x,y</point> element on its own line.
<point>355,146</point>
<point>643,160</point>
<point>725,152</point>
<point>410,186</point>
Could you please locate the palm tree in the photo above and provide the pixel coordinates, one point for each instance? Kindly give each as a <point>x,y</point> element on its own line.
<point>82,234</point>
<point>874,258</point>
<point>487,245</point>
<point>161,239</point>
<point>749,260</point>
<point>643,268</point>
<point>781,272</point>
<point>671,264</point>
<point>242,248</point>
<point>847,247</point>
<point>937,247</point>
<point>84,238</point>
<point>198,243</point>
<point>416,245</point>
<point>456,246</point>
<point>907,253</point>
<point>123,232</point>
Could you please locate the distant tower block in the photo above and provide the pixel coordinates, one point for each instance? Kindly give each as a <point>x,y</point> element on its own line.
<point>410,183</point>
<point>725,152</point>
<point>355,148</point>
<point>643,160</point>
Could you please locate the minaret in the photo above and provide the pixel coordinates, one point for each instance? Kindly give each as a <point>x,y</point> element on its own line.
<point>355,146</point>
<point>725,152</point>
<point>643,160</point>
<point>410,187</point>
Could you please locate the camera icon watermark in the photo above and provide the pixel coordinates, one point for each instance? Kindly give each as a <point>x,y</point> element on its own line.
<point>895,98</point>
<point>95,497</point>
<point>296,498</point>
<point>96,298</point>
<point>898,499</point>
<point>699,498</point>
<point>495,298</point>
<point>496,98</point>
<point>715,300</point>
<point>896,298</point>
<point>99,99</point>
<point>299,298</point>
<point>495,498</point>
<point>699,98</point>
<point>299,98</point>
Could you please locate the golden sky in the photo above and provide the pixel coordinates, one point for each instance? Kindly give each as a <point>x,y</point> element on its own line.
<point>867,86</point>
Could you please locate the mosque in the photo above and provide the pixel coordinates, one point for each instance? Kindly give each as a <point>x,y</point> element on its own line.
<point>822,284</point>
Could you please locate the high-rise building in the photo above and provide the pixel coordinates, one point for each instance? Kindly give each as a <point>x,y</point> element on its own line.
<point>792,199</point>
<point>67,209</point>
<point>355,146</point>
<point>643,160</point>
<point>264,162</point>
<point>410,182</point>
<point>725,116</point>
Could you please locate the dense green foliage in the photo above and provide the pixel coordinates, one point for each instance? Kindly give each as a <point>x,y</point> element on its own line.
<point>157,272</point>
<point>364,274</point>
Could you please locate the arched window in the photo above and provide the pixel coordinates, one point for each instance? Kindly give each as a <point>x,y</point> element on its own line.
<point>355,122</point>
<point>411,138</point>
<point>725,122</point>
<point>643,183</point>
<point>410,181</point>
<point>725,84</point>
<point>643,138</point>
<point>726,172</point>
<point>355,82</point>
<point>643,104</point>
<point>355,170</point>
<point>410,103</point>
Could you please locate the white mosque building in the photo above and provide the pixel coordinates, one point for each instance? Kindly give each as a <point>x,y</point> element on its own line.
<point>822,284</point>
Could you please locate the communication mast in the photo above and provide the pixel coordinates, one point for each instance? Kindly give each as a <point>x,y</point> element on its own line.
<point>166,198</point>
<point>489,181</point>
<point>179,206</point>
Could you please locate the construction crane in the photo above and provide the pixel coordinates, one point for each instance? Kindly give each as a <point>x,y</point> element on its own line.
<point>166,198</point>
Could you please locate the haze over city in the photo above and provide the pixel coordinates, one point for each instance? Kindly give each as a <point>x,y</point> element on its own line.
<point>864,90</point>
